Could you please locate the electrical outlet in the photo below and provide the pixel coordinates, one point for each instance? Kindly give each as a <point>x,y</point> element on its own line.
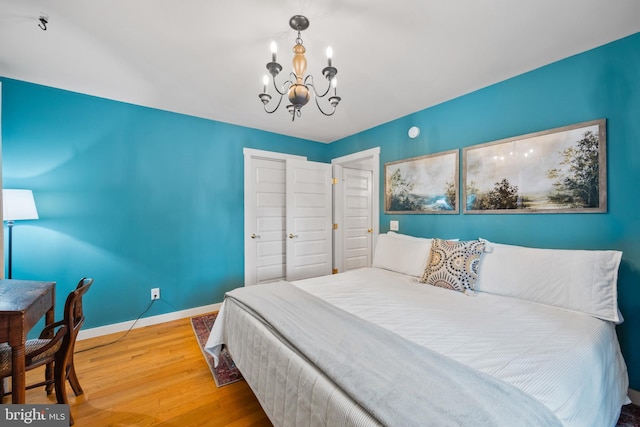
<point>394,225</point>
<point>155,293</point>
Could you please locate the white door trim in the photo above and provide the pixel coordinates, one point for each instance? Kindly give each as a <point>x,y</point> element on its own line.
<point>372,157</point>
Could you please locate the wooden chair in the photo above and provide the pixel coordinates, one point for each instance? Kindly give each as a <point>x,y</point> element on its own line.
<point>57,350</point>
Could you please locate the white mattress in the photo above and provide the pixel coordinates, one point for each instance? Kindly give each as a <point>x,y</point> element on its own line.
<point>570,362</point>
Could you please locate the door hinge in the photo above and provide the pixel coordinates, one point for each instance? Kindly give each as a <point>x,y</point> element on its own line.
<point>334,271</point>
<point>335,226</point>
<point>334,180</point>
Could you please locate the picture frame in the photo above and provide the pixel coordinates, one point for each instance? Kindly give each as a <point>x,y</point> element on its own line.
<point>561,170</point>
<point>423,185</point>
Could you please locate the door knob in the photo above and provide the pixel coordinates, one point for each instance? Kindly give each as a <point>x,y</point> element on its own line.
<point>254,236</point>
<point>370,230</point>
<point>291,235</point>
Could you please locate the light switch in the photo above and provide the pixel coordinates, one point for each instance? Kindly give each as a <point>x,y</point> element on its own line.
<point>394,225</point>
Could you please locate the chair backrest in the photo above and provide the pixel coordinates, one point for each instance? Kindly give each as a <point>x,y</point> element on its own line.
<point>73,317</point>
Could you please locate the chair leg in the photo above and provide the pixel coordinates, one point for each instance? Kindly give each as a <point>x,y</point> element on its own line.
<point>60,380</point>
<point>73,380</point>
<point>59,374</point>
<point>48,377</point>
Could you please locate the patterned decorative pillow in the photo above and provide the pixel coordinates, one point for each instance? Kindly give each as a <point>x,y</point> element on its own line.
<point>454,265</point>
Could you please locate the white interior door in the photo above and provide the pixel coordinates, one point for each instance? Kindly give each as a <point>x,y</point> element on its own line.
<point>270,210</point>
<point>349,249</point>
<point>309,219</point>
<point>264,215</point>
<point>357,208</point>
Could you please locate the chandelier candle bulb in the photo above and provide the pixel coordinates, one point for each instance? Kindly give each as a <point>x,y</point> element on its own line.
<point>329,55</point>
<point>265,82</point>
<point>274,50</point>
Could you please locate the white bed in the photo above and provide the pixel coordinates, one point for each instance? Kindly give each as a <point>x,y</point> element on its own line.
<point>567,360</point>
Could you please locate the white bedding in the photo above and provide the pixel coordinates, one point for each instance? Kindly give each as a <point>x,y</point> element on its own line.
<point>569,361</point>
<point>291,391</point>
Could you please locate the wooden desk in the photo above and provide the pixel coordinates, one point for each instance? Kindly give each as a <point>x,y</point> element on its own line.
<point>22,304</point>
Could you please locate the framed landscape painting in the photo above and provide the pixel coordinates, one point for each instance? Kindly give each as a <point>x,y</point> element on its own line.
<point>560,170</point>
<point>422,185</point>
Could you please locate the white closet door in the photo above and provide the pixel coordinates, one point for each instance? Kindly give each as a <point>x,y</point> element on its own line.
<point>358,227</point>
<point>264,215</point>
<point>268,237</point>
<point>309,219</point>
<point>285,194</point>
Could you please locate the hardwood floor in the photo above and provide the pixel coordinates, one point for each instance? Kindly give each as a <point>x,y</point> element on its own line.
<point>155,376</point>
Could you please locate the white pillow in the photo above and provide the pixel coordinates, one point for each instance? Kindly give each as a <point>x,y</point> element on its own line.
<point>579,280</point>
<point>401,253</point>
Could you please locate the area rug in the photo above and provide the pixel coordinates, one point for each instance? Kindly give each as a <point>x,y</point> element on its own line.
<point>629,417</point>
<point>226,372</point>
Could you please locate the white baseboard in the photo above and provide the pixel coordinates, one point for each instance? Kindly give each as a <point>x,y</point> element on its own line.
<point>146,321</point>
<point>634,395</point>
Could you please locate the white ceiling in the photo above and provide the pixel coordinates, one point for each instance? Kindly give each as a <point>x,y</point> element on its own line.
<point>206,58</point>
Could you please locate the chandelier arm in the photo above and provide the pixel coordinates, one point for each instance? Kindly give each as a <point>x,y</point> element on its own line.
<point>284,87</point>
<point>309,82</point>
<point>322,111</point>
<point>276,107</point>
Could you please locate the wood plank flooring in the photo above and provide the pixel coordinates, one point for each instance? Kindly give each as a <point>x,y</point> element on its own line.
<point>155,376</point>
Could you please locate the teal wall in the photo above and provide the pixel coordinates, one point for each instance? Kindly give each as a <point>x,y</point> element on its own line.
<point>135,197</point>
<point>601,83</point>
<point>140,198</point>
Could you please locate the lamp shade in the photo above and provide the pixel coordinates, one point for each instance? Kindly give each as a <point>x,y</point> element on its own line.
<point>18,205</point>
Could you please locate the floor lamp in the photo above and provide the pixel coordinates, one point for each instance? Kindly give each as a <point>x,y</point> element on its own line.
<point>17,205</point>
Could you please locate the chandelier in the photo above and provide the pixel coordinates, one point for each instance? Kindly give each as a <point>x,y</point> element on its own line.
<point>298,87</point>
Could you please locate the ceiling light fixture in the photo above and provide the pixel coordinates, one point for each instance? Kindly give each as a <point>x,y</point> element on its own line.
<point>297,88</point>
